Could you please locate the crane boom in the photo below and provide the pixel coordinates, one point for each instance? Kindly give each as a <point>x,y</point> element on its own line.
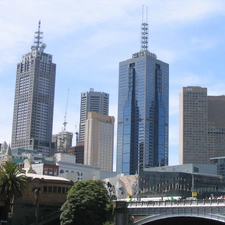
<point>64,123</point>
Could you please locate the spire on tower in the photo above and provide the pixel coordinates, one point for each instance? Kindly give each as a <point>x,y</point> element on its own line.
<point>38,36</point>
<point>8,155</point>
<point>144,31</point>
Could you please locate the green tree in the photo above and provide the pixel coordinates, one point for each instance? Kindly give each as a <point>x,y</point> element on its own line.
<point>12,184</point>
<point>87,203</point>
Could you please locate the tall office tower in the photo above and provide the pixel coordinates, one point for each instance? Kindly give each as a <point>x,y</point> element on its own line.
<point>216,126</point>
<point>34,99</point>
<point>202,125</point>
<point>143,99</point>
<point>193,125</point>
<point>92,101</point>
<point>99,141</point>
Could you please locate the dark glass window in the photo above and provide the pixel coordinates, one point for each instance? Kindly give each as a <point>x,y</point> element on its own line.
<point>45,188</point>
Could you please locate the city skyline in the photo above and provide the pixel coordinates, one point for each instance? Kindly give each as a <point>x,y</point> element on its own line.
<point>88,41</point>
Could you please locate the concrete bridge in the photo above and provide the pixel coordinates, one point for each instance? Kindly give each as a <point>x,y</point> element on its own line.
<point>144,212</point>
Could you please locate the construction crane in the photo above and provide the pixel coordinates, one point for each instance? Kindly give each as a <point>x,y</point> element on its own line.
<point>76,132</point>
<point>64,123</point>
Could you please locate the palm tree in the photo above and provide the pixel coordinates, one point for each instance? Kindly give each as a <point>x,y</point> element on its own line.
<point>12,183</point>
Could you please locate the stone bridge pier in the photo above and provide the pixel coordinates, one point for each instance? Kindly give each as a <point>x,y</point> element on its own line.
<point>121,213</point>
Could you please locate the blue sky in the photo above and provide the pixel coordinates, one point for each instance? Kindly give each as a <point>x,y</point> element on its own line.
<point>88,39</point>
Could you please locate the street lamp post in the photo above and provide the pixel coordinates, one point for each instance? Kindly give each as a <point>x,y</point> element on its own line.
<point>36,191</point>
<point>94,171</point>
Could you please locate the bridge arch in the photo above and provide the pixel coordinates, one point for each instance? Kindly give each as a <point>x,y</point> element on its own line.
<point>154,218</point>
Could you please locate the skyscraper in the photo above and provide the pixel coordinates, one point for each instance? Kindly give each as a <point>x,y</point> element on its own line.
<point>92,101</point>
<point>99,141</point>
<point>202,125</point>
<point>143,98</point>
<point>193,125</point>
<point>34,99</point>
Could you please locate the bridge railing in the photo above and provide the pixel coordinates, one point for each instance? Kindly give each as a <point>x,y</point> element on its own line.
<point>170,203</point>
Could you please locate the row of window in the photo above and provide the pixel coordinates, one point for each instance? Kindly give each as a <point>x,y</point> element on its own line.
<point>54,189</point>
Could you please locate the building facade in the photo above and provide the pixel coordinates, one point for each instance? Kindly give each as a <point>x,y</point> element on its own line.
<point>202,125</point>
<point>220,162</point>
<point>99,141</point>
<point>92,101</point>
<point>143,99</point>
<point>41,204</point>
<point>75,171</point>
<point>197,180</point>
<point>168,182</point>
<point>62,141</point>
<point>193,125</point>
<point>216,126</point>
<point>34,99</point>
<point>78,151</point>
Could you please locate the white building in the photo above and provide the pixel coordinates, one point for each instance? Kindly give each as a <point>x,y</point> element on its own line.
<point>69,169</point>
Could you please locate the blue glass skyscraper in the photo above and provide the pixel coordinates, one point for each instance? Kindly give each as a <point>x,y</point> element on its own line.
<point>143,104</point>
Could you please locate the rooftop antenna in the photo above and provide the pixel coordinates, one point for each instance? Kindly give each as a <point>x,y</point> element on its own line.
<point>144,31</point>
<point>38,36</point>
<point>64,123</point>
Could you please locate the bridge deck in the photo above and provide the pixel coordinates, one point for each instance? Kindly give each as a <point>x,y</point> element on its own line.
<point>182,203</point>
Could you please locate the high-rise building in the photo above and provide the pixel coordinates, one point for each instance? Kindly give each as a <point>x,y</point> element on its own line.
<point>202,125</point>
<point>62,141</point>
<point>193,125</point>
<point>143,99</point>
<point>92,101</point>
<point>34,99</point>
<point>99,141</point>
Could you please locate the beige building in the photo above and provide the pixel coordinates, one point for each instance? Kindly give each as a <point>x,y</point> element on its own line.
<point>202,125</point>
<point>92,101</point>
<point>99,141</point>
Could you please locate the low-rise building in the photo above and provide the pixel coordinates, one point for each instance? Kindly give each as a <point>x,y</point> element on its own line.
<point>187,180</point>
<point>67,166</point>
<point>220,162</point>
<point>44,195</point>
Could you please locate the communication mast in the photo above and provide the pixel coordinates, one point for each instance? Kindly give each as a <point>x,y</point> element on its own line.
<point>144,31</point>
<point>38,36</point>
<point>64,123</point>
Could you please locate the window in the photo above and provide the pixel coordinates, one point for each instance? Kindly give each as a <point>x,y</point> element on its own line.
<point>54,189</point>
<point>45,189</point>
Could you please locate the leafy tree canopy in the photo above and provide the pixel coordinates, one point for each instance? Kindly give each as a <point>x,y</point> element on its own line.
<point>87,203</point>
